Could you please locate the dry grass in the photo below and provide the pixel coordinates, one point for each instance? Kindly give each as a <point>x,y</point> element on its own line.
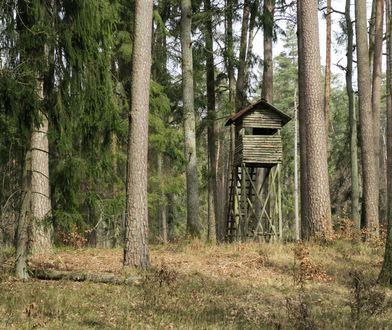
<point>194,286</point>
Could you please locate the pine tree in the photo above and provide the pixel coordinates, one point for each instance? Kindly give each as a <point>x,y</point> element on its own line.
<point>192,181</point>
<point>316,220</point>
<point>136,252</point>
<point>369,173</point>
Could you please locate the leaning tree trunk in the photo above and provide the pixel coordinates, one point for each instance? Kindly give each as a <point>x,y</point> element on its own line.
<point>317,224</point>
<point>352,119</point>
<point>136,252</point>
<point>369,173</point>
<point>212,156</point>
<point>385,276</point>
<point>192,181</point>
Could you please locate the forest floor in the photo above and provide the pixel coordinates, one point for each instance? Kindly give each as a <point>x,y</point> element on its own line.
<point>196,286</point>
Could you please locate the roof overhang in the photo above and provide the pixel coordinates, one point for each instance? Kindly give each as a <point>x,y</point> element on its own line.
<point>262,103</point>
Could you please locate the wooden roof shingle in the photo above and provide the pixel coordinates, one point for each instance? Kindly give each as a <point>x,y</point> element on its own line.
<point>262,103</point>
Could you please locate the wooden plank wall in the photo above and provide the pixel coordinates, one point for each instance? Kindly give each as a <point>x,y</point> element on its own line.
<point>262,149</point>
<point>262,118</point>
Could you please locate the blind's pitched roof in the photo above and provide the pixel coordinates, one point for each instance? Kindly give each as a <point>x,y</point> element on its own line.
<point>262,103</point>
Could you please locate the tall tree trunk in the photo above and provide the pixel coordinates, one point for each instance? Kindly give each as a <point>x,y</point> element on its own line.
<point>229,60</point>
<point>317,224</point>
<point>41,228</point>
<point>136,252</point>
<point>254,12</point>
<point>161,207</point>
<point>296,199</point>
<point>302,132</point>
<point>170,216</point>
<point>327,85</point>
<point>34,225</point>
<point>268,27</point>
<point>372,25</point>
<point>22,237</point>
<point>376,87</point>
<point>159,74</point>
<point>241,83</point>
<point>352,118</point>
<point>267,88</point>
<point>230,53</point>
<point>385,276</point>
<point>39,223</point>
<point>192,181</point>
<point>212,183</point>
<point>222,174</point>
<point>370,195</point>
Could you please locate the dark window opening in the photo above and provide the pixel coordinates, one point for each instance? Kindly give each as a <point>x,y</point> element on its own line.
<point>264,131</point>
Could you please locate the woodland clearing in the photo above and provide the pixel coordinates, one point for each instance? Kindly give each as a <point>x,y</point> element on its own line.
<point>193,285</point>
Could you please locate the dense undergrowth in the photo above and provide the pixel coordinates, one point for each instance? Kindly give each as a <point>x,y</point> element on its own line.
<point>192,285</point>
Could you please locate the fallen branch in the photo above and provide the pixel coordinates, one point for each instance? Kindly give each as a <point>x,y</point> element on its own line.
<point>54,275</point>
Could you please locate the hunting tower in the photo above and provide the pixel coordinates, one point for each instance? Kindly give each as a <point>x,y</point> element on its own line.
<point>255,208</point>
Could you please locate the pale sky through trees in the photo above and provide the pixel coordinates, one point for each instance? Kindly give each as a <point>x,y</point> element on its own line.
<point>338,51</point>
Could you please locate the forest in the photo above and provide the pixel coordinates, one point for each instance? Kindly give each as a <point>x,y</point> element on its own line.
<point>195,164</point>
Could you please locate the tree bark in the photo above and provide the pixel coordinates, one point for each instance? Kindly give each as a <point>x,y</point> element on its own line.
<point>192,181</point>
<point>268,27</point>
<point>161,208</point>
<point>327,85</point>
<point>41,227</point>
<point>22,237</point>
<point>302,131</point>
<point>296,199</point>
<point>212,183</point>
<point>254,12</point>
<point>241,83</point>
<point>376,88</point>
<point>317,224</point>
<point>232,93</point>
<point>369,174</point>
<point>230,53</point>
<point>136,252</point>
<point>267,89</point>
<point>385,276</point>
<point>353,119</point>
<point>170,216</point>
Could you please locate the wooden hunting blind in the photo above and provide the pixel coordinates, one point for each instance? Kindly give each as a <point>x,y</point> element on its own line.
<point>254,197</point>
